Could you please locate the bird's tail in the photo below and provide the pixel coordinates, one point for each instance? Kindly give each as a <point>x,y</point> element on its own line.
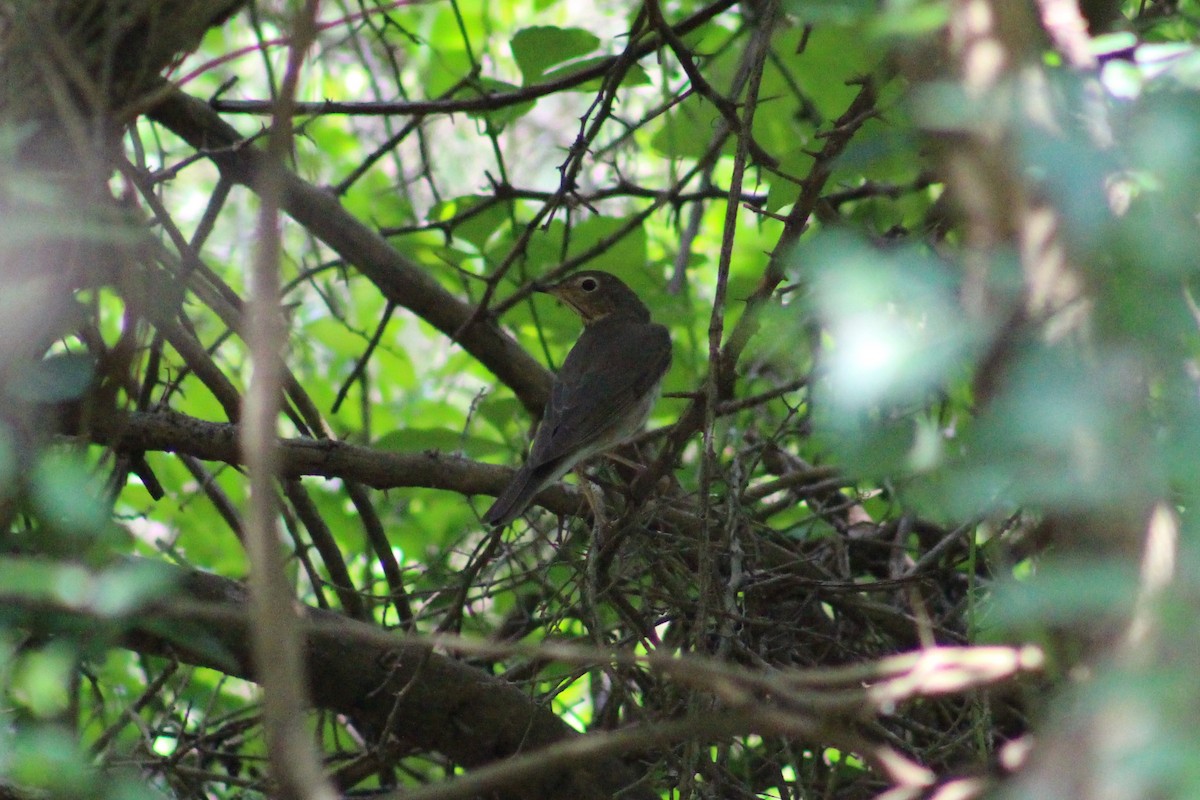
<point>515,497</point>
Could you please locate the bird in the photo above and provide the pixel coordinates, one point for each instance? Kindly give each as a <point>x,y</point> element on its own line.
<point>604,391</point>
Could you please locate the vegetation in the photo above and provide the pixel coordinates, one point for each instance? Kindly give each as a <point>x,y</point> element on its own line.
<point>912,519</point>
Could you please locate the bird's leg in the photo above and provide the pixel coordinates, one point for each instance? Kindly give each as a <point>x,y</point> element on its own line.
<point>594,501</point>
<point>637,469</point>
<point>627,462</point>
<point>599,524</point>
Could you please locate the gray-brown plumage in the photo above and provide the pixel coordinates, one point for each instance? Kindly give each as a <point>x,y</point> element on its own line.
<point>603,393</point>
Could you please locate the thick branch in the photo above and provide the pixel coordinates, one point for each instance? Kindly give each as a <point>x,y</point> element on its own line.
<point>172,432</point>
<point>435,703</point>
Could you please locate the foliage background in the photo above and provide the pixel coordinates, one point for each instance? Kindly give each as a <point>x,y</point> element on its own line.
<point>913,514</point>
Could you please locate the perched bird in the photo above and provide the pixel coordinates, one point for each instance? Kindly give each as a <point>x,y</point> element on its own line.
<point>604,391</point>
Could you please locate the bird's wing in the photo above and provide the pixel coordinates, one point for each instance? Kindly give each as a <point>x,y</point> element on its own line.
<point>600,384</point>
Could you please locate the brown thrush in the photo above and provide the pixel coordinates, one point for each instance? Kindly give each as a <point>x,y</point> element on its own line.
<point>603,393</point>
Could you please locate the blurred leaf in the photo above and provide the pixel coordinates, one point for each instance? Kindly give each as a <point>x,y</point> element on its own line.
<point>910,18</point>
<point>504,113</point>
<point>69,501</point>
<point>895,324</point>
<point>111,592</point>
<point>1177,62</point>
<point>41,680</point>
<point>825,11</point>
<point>438,440</point>
<point>1122,80</point>
<point>537,49</point>
<point>64,376</point>
<point>1062,435</point>
<point>1065,593</point>
<point>634,75</point>
<point>125,587</point>
<point>47,758</point>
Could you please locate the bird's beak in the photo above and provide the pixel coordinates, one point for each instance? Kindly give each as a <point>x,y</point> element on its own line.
<point>554,289</point>
<point>563,294</point>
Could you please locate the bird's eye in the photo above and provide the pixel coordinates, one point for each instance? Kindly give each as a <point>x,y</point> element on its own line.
<point>589,284</point>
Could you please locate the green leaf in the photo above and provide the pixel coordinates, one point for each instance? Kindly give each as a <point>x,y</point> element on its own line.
<point>617,255</point>
<point>910,18</point>
<point>634,76</point>
<point>1065,593</point>
<point>68,501</point>
<point>476,227</point>
<point>501,411</point>
<point>440,440</point>
<point>502,114</point>
<point>538,49</point>
<point>687,130</point>
<point>41,678</point>
<point>838,12</point>
<point>47,758</point>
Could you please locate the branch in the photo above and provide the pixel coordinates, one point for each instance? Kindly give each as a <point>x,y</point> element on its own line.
<point>173,432</point>
<point>399,280</point>
<point>490,102</point>
<point>436,703</point>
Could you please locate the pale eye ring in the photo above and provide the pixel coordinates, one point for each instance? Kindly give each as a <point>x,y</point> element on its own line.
<point>589,284</point>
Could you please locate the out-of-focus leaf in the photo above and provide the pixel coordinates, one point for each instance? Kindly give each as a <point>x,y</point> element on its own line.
<point>502,115</point>
<point>125,587</point>
<point>838,12</point>
<point>634,75</point>
<point>1065,593</point>
<point>110,592</point>
<point>47,758</point>
<point>540,48</point>
<point>41,680</point>
<point>895,324</point>
<point>909,18</point>
<point>1060,435</point>
<point>1176,62</point>
<point>63,376</point>
<point>440,440</point>
<point>68,499</point>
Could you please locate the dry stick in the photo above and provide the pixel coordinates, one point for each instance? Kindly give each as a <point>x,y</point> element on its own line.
<point>759,46</point>
<point>377,537</point>
<point>331,555</point>
<point>568,171</point>
<point>725,107</point>
<point>215,494</point>
<point>488,102</point>
<point>396,277</point>
<point>360,365</point>
<point>217,295</point>
<point>148,695</point>
<point>274,625</point>
<point>832,697</point>
<point>691,420</point>
<point>483,781</point>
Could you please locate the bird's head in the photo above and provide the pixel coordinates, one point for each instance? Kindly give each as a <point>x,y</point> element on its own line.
<point>595,295</point>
